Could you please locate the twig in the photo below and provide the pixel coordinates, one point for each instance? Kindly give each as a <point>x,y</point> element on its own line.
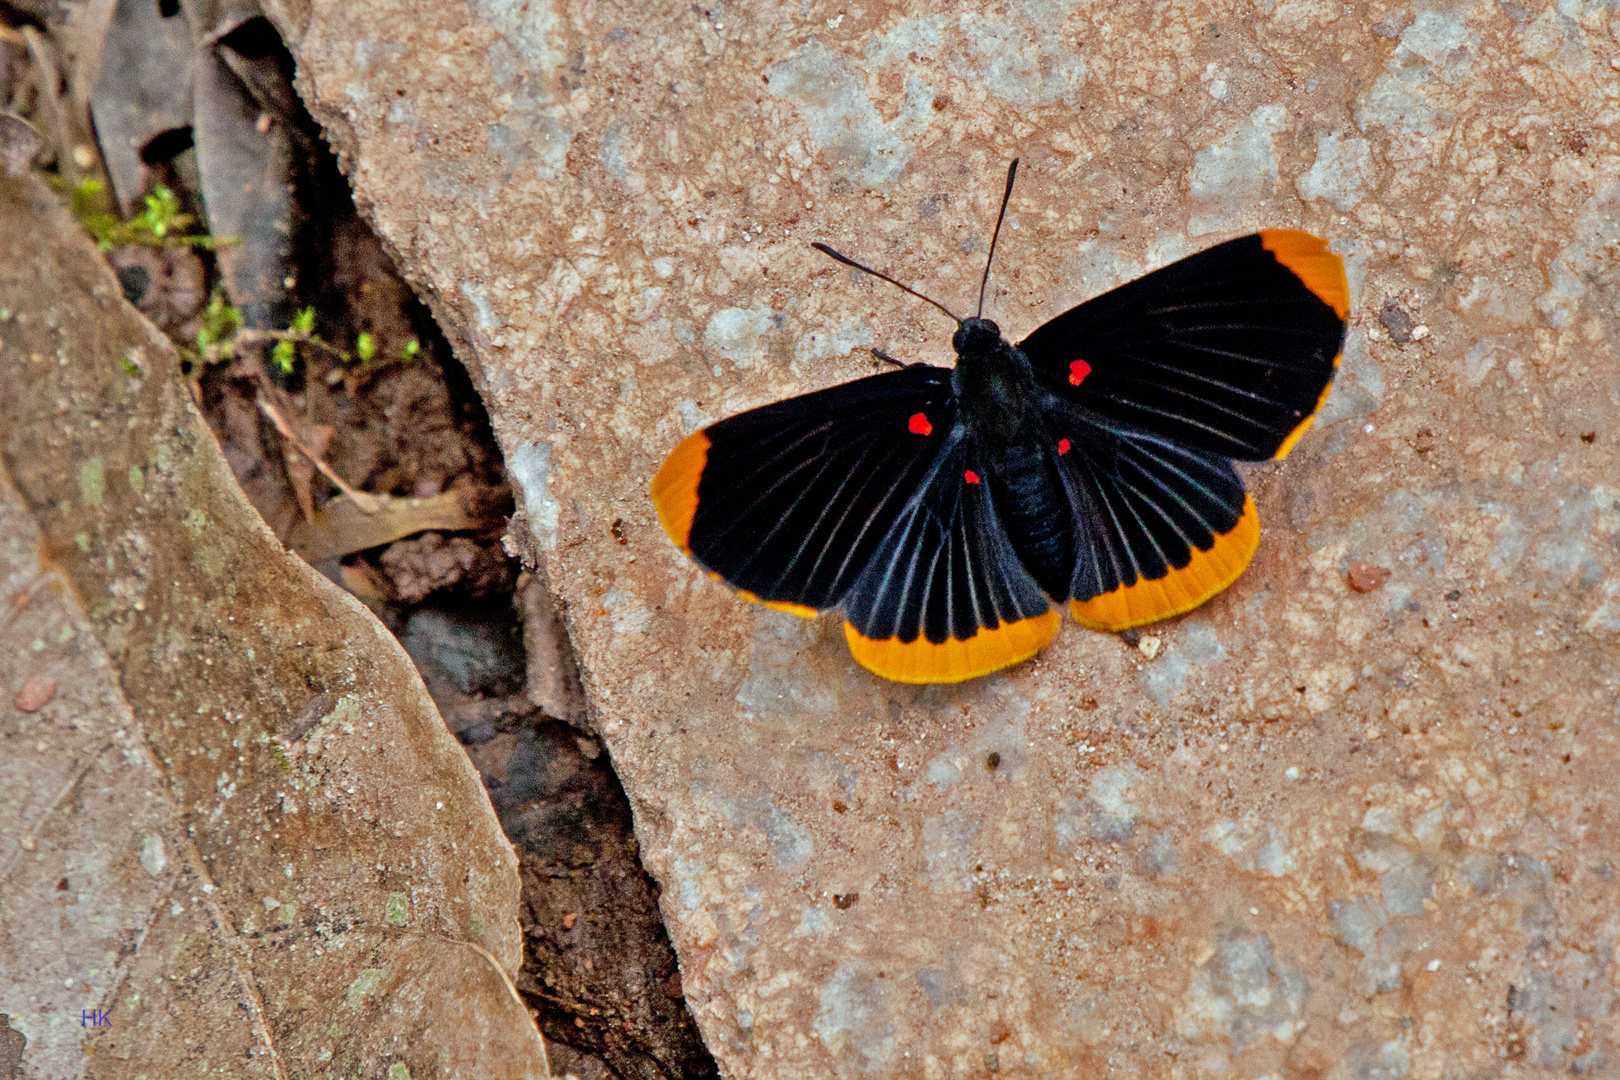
<point>364,502</point>
<point>359,375</point>
<point>577,1007</point>
<point>245,336</point>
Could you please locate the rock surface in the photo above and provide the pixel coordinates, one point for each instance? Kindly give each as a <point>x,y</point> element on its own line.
<point>1308,830</point>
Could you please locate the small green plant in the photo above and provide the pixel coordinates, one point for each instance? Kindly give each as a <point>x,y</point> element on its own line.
<point>283,354</point>
<point>222,336</point>
<point>88,206</point>
<point>221,321</point>
<point>161,215</point>
<point>160,221</point>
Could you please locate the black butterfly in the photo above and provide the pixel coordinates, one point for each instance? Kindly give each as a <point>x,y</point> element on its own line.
<point>948,510</point>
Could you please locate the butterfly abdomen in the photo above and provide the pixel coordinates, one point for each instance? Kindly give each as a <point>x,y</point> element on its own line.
<point>1035,511</point>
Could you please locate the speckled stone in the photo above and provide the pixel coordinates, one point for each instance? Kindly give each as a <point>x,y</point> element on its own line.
<point>1319,832</point>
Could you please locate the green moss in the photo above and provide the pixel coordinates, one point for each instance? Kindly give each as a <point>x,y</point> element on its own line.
<point>92,482</point>
<point>278,752</point>
<point>398,910</point>
<point>364,984</point>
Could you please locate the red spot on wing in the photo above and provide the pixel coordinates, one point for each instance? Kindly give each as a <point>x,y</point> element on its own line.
<point>1063,446</point>
<point>1078,372</point>
<point>919,424</point>
<point>970,476</point>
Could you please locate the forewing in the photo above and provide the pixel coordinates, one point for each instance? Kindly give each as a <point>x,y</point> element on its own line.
<point>944,597</point>
<point>1230,351</point>
<point>789,502</point>
<point>1160,526</point>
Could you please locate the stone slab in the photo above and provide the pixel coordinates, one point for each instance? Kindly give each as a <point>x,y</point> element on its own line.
<point>1321,832</point>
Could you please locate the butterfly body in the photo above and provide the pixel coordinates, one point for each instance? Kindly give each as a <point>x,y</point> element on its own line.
<point>947,511</point>
<point>1001,417</point>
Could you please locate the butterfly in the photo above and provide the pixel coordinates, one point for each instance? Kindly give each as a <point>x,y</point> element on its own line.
<point>951,511</point>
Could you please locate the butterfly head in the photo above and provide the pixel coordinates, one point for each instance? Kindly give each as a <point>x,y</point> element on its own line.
<point>976,337</point>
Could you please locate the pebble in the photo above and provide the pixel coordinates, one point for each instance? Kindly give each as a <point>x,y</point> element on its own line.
<point>1365,577</point>
<point>36,693</point>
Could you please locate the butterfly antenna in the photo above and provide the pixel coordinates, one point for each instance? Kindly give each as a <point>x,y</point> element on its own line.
<point>1012,172</point>
<point>847,261</point>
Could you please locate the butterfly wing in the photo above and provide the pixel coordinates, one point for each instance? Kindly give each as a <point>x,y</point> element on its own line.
<point>944,598</point>
<point>790,501</point>
<point>1160,526</point>
<point>1230,351</point>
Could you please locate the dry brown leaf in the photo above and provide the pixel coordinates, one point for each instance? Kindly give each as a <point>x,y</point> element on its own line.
<point>342,528</point>
<point>301,469</point>
<point>276,859</point>
<point>308,441</point>
<point>19,142</point>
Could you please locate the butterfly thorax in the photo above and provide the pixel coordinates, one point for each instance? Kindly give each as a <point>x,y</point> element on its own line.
<point>994,385</point>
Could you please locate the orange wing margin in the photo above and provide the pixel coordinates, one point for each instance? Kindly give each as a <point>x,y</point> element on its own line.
<point>952,661</point>
<point>1180,590</point>
<point>1322,272</point>
<point>803,611</point>
<point>675,488</point>
<point>1305,424</point>
<point>1308,257</point>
